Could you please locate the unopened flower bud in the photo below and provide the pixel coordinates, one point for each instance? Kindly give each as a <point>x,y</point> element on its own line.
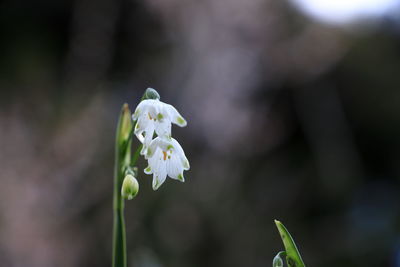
<point>151,94</point>
<point>277,262</point>
<point>125,122</point>
<point>130,187</point>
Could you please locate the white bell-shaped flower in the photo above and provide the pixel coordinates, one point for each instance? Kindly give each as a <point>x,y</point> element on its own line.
<point>152,115</point>
<point>165,157</point>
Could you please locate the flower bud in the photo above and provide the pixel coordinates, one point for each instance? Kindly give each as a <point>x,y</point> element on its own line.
<point>277,262</point>
<point>130,187</point>
<point>151,94</point>
<point>125,123</point>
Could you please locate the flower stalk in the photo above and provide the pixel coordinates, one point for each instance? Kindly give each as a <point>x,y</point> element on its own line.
<point>122,162</point>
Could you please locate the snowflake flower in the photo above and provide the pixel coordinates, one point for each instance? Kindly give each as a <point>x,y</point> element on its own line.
<point>165,157</point>
<point>152,115</point>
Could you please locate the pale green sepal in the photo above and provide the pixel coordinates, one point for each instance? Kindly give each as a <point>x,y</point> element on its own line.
<point>151,93</point>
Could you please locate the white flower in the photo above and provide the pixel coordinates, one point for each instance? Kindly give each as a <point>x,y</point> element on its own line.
<point>165,157</point>
<point>152,115</point>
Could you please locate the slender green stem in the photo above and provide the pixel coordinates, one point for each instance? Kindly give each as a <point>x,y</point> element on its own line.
<point>122,160</point>
<point>119,239</point>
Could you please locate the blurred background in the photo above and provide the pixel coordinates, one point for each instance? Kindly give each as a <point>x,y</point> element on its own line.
<point>293,111</point>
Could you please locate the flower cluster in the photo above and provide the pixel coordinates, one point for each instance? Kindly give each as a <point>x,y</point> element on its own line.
<point>164,154</point>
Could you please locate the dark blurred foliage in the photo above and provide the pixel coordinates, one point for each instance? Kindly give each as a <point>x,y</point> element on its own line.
<point>288,119</point>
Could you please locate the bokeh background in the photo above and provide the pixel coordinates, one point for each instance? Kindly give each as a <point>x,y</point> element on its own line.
<point>293,113</point>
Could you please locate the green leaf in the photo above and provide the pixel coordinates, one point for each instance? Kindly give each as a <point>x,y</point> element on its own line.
<point>293,257</point>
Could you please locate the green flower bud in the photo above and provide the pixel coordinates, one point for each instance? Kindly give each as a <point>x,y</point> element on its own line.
<point>130,187</point>
<point>125,124</point>
<point>151,94</point>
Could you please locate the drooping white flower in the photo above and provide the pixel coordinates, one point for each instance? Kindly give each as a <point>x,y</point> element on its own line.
<point>165,157</point>
<point>152,115</point>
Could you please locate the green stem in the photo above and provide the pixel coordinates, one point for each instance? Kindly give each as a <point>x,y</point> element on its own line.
<point>122,160</point>
<point>119,239</point>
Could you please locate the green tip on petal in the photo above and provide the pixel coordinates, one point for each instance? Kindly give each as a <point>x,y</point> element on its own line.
<point>181,121</point>
<point>186,164</point>
<point>180,177</point>
<point>156,185</point>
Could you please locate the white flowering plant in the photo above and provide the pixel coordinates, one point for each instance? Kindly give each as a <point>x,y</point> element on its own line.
<point>151,123</point>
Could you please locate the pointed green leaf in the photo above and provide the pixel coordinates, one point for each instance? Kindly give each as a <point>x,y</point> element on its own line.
<point>293,257</point>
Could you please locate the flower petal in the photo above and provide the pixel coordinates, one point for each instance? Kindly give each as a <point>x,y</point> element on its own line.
<point>185,163</point>
<point>163,127</point>
<point>174,166</point>
<point>149,135</point>
<point>152,148</point>
<point>179,150</point>
<point>158,166</point>
<point>174,116</point>
<point>141,124</point>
